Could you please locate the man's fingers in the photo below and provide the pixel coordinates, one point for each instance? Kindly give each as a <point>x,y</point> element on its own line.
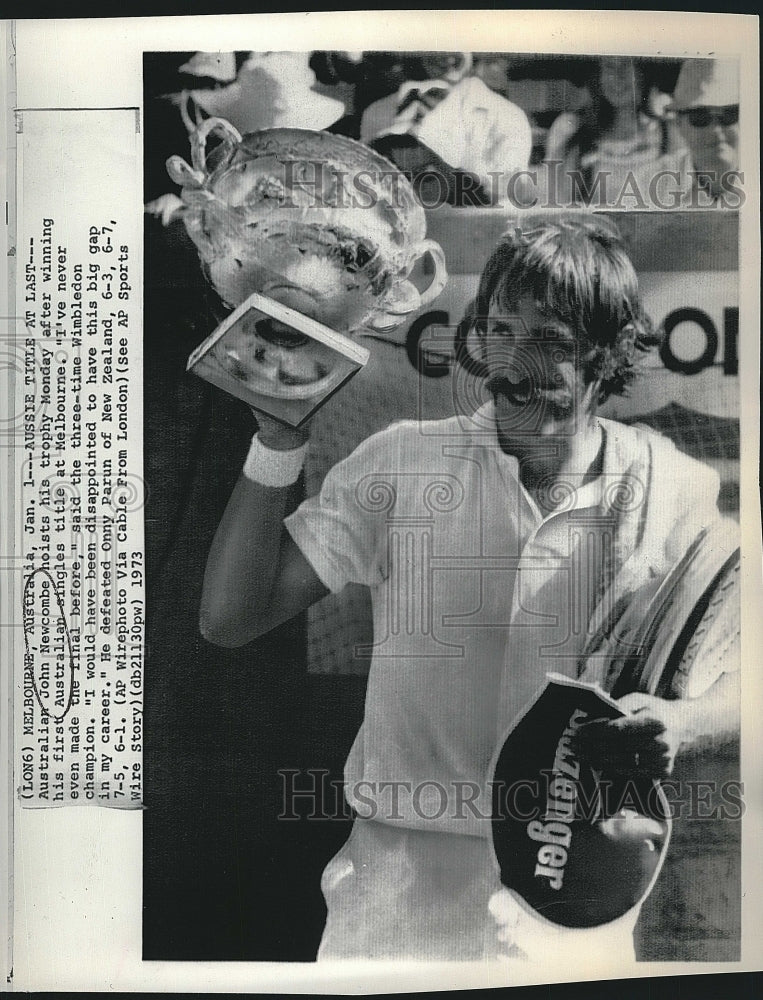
<point>635,702</point>
<point>504,908</point>
<point>640,727</point>
<point>631,746</point>
<point>592,742</point>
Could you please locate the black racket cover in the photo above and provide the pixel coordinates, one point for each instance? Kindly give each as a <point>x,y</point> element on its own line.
<point>577,847</point>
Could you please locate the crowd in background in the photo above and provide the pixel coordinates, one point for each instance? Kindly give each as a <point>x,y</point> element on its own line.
<point>481,128</point>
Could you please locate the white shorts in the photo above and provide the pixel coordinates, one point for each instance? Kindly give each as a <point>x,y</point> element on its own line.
<point>395,892</point>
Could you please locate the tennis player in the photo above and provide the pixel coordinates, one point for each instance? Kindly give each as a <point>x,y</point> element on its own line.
<point>489,541</point>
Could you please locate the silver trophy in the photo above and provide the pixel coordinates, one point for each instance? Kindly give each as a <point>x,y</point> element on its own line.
<point>311,221</point>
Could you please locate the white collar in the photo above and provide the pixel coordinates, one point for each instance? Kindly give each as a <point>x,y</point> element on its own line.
<point>592,494</point>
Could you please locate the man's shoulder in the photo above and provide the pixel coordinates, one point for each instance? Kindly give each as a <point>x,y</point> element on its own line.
<point>640,441</point>
<point>418,445</point>
<point>417,437</point>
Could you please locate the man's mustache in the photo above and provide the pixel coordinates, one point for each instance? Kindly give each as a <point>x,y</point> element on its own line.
<point>522,391</point>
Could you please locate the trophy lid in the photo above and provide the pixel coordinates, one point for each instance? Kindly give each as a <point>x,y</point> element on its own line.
<point>309,177</point>
<point>367,177</point>
<point>321,210</point>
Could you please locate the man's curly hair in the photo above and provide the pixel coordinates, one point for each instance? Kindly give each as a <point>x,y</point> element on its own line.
<point>578,272</point>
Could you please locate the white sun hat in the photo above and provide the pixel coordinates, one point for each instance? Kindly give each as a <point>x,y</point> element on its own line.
<point>706,83</point>
<point>272,90</point>
<point>220,66</point>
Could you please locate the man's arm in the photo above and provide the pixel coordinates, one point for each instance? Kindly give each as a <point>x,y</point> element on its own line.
<point>256,576</point>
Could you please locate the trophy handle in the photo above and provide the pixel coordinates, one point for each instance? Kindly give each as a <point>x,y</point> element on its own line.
<point>194,176</point>
<point>405,297</point>
<point>440,274</point>
<point>230,137</point>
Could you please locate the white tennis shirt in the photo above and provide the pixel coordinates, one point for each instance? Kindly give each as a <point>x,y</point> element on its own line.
<point>476,593</point>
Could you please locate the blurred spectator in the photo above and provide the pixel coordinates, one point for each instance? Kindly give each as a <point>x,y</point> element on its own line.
<point>543,87</point>
<point>453,127</point>
<point>261,90</point>
<point>620,141</point>
<point>368,76</point>
<point>706,101</point>
<point>271,90</point>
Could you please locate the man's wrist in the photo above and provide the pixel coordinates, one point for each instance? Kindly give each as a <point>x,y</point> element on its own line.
<point>273,466</point>
<point>282,438</point>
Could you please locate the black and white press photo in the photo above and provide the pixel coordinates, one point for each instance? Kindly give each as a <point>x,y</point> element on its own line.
<point>381,579</point>
<point>448,667</point>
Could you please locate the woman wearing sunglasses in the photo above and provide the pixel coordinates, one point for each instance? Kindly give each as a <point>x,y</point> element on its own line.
<point>706,103</point>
